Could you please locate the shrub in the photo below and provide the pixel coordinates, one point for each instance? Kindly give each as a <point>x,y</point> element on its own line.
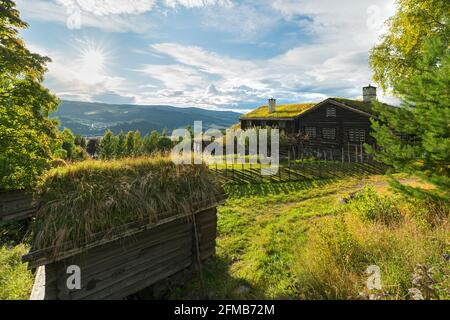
<point>16,280</point>
<point>376,208</point>
<point>333,262</point>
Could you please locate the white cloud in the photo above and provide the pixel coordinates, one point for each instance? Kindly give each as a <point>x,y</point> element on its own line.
<point>332,61</point>
<point>108,7</point>
<point>198,3</point>
<point>57,12</point>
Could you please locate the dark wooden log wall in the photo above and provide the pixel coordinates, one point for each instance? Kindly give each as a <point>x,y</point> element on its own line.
<point>345,119</point>
<point>16,205</point>
<point>124,267</point>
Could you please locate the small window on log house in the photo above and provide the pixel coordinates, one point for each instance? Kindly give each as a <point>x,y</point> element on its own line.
<point>356,135</point>
<point>331,112</point>
<point>282,124</point>
<point>329,133</point>
<point>311,132</point>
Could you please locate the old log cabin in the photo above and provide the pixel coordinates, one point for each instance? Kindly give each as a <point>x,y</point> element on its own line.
<point>334,123</point>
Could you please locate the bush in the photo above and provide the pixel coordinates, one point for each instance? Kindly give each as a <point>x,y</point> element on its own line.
<point>13,233</point>
<point>376,208</point>
<point>16,280</point>
<point>333,263</point>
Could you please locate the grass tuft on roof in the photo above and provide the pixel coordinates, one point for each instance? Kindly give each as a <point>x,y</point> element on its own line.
<point>281,111</point>
<point>96,196</point>
<point>356,104</point>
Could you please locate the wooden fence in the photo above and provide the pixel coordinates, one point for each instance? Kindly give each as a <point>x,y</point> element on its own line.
<point>294,171</point>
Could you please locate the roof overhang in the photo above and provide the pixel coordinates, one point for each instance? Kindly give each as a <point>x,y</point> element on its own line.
<point>320,104</point>
<point>265,119</point>
<point>336,103</point>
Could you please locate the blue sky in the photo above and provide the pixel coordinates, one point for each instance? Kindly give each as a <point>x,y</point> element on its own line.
<point>215,54</point>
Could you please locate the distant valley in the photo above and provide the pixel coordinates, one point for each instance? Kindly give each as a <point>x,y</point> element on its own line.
<point>92,119</point>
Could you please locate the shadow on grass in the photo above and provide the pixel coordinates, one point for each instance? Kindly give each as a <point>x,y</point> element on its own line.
<point>266,189</point>
<point>219,284</point>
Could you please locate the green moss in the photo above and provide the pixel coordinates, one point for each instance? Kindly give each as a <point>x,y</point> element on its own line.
<point>282,111</point>
<point>295,110</point>
<point>356,104</point>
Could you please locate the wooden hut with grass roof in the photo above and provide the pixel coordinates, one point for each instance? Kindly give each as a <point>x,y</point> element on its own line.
<point>122,225</point>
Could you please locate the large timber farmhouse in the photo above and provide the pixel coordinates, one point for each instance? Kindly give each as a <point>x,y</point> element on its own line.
<point>334,123</point>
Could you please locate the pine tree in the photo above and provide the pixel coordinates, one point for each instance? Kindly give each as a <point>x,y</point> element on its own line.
<point>121,145</point>
<point>108,146</point>
<point>415,138</point>
<point>150,142</point>
<point>129,143</point>
<point>137,143</point>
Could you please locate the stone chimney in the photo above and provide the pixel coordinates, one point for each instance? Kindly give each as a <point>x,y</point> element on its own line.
<point>369,93</point>
<point>272,105</point>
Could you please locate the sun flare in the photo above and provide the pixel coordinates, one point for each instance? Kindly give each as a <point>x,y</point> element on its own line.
<point>92,61</point>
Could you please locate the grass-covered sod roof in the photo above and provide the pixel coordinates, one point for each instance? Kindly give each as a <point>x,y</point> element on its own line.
<point>287,111</point>
<point>356,104</point>
<point>95,196</point>
<point>281,111</point>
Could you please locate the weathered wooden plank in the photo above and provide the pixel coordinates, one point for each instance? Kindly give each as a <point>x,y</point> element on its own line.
<point>95,286</point>
<point>93,269</point>
<point>47,255</point>
<point>129,264</point>
<point>147,280</point>
<point>99,256</point>
<point>17,205</point>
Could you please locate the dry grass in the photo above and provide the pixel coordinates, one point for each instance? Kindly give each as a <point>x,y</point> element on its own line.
<point>95,196</point>
<point>339,250</point>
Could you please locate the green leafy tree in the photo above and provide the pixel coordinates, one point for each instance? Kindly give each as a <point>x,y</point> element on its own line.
<point>137,143</point>
<point>68,143</point>
<point>399,52</point>
<point>92,147</point>
<point>129,143</point>
<point>164,143</point>
<point>108,146</point>
<point>27,134</point>
<point>415,138</point>
<point>80,141</point>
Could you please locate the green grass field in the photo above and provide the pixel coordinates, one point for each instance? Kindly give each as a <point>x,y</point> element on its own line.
<point>264,229</point>
<point>298,240</point>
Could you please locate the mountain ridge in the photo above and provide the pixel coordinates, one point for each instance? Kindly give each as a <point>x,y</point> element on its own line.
<point>94,118</point>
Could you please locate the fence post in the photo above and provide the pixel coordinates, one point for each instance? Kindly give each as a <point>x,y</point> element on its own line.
<point>289,172</point>
<point>348,152</point>
<point>362,153</point>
